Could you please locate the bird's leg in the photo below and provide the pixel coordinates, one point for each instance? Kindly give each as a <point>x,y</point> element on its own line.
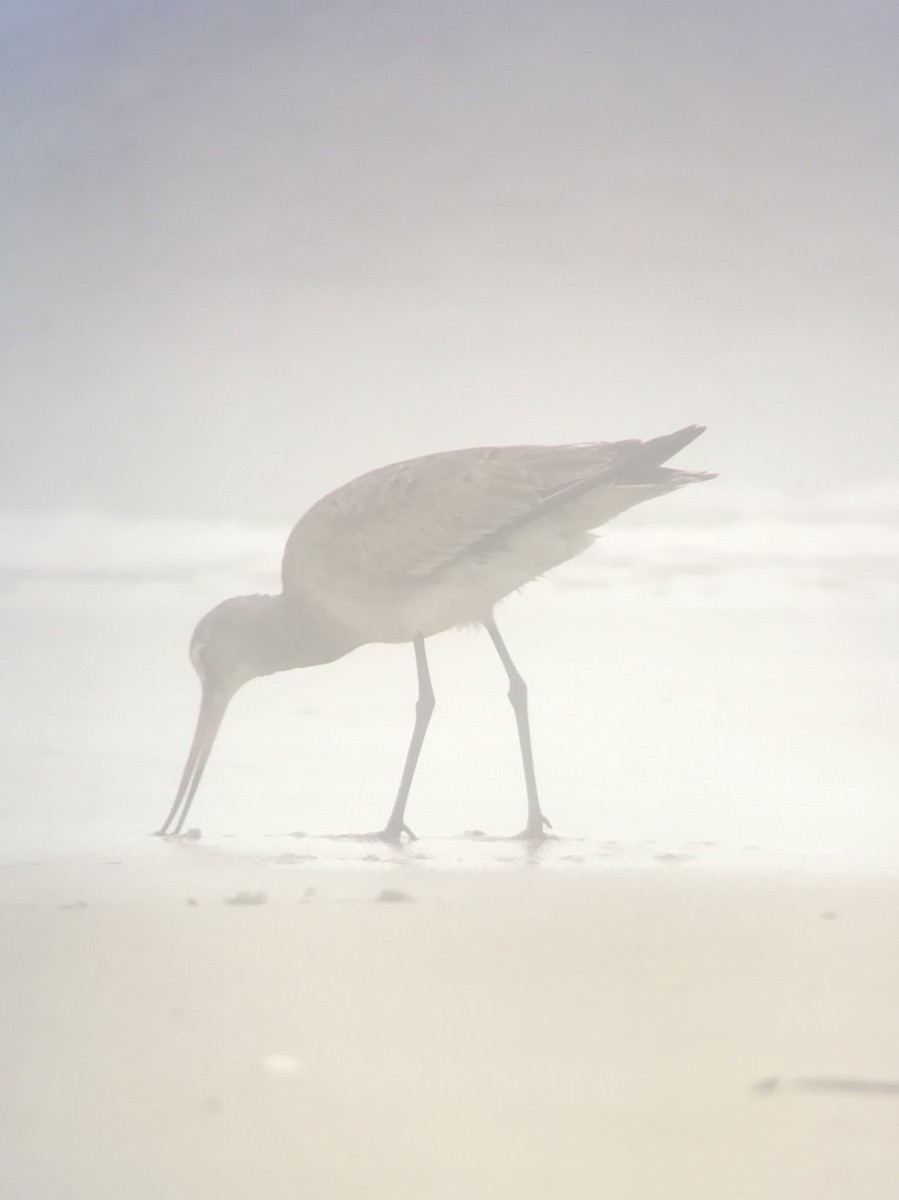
<point>518,697</point>
<point>396,825</point>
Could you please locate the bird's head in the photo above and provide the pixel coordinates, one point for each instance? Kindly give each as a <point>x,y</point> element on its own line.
<point>235,642</point>
<point>232,644</point>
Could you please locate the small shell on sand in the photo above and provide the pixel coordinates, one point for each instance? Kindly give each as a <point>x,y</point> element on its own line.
<point>280,1064</point>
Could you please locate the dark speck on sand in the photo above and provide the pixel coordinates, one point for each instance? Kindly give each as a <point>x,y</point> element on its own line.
<point>393,896</point>
<point>247,898</point>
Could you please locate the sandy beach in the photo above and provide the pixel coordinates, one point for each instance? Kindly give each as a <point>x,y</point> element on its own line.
<point>196,1021</point>
<point>690,996</point>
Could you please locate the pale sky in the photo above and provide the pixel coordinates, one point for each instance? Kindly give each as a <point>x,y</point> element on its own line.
<point>254,250</point>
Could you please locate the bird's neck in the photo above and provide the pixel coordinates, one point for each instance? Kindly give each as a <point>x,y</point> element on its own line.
<point>294,633</point>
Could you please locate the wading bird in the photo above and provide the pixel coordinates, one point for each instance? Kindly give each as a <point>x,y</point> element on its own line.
<point>410,550</point>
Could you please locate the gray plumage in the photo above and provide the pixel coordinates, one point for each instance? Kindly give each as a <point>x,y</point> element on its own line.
<point>412,549</point>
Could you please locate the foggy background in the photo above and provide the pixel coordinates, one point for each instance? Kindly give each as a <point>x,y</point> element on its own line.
<point>254,250</point>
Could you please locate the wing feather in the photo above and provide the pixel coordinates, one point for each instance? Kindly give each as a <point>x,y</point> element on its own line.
<point>406,519</point>
<point>411,521</point>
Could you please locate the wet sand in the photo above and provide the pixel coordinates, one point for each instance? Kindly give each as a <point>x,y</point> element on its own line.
<point>196,1022</point>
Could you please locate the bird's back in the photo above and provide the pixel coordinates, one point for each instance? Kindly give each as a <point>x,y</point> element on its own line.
<point>421,545</point>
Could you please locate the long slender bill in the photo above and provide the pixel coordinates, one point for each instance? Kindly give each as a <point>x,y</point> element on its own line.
<point>212,709</point>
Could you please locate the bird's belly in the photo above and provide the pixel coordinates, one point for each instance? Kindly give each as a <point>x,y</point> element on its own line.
<point>466,591</point>
<point>462,593</point>
<point>402,613</point>
<point>438,605</point>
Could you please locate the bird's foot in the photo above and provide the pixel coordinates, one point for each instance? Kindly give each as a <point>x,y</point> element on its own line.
<point>394,833</point>
<point>391,833</point>
<point>535,830</point>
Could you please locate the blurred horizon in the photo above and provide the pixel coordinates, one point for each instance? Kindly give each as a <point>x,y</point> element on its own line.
<point>703,545</point>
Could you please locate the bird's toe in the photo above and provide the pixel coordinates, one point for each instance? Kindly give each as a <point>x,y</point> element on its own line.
<point>392,834</point>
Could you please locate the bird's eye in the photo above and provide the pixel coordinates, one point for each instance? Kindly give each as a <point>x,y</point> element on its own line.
<point>199,653</point>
